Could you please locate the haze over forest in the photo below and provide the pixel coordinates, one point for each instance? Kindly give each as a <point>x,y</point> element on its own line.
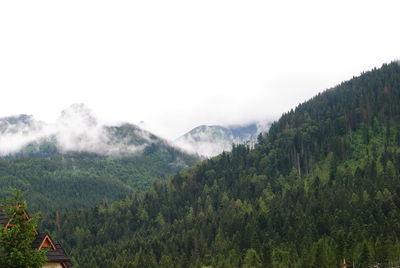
<point>216,133</point>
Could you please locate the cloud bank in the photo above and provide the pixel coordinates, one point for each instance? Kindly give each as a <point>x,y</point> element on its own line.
<point>18,131</point>
<point>210,141</point>
<point>76,130</point>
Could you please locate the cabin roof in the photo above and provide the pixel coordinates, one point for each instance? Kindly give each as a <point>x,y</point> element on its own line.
<point>4,220</point>
<point>38,240</point>
<point>53,255</point>
<point>58,255</point>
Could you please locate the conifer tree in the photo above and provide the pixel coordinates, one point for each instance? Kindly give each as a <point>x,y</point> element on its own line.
<point>16,239</point>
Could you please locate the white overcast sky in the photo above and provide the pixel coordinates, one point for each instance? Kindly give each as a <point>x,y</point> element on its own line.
<point>179,64</point>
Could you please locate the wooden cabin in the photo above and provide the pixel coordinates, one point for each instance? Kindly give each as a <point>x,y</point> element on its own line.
<point>56,256</point>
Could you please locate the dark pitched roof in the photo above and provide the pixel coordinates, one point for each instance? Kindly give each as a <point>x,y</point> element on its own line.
<point>4,219</point>
<point>53,255</point>
<point>38,240</point>
<point>59,255</point>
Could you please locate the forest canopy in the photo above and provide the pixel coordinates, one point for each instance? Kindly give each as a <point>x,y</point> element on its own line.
<point>320,187</point>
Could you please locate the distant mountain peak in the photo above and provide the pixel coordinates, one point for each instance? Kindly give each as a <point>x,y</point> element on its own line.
<point>13,119</point>
<point>18,131</point>
<point>211,140</point>
<point>15,123</point>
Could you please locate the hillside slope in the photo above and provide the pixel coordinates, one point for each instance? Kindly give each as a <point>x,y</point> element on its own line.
<point>320,187</point>
<point>81,163</point>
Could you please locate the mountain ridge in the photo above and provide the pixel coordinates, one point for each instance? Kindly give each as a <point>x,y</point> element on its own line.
<point>76,130</point>
<point>319,188</point>
<point>211,140</point>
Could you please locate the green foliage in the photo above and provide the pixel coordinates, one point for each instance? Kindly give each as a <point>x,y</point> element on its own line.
<point>16,241</point>
<point>86,179</point>
<point>251,259</point>
<point>320,187</point>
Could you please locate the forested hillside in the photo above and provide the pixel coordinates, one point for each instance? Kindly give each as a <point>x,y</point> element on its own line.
<point>320,187</point>
<point>53,179</point>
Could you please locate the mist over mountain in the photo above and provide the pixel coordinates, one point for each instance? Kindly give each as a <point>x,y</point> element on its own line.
<point>18,131</point>
<point>212,140</point>
<point>76,130</point>
<point>90,160</point>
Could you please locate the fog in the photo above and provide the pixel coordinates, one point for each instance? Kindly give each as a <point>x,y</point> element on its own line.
<point>210,141</point>
<point>77,129</point>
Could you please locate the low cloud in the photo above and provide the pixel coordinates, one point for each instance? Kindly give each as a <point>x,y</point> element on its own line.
<point>76,130</point>
<point>18,131</point>
<point>210,141</point>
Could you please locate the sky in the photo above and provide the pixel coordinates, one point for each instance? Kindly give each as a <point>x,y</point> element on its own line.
<point>178,64</point>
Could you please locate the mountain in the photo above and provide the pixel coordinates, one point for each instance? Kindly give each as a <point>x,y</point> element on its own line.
<point>13,124</point>
<point>76,130</point>
<point>320,187</point>
<point>79,161</point>
<point>212,140</point>
<point>18,131</point>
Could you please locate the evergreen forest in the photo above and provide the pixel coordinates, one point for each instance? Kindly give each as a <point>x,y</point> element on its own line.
<point>55,181</point>
<point>320,187</point>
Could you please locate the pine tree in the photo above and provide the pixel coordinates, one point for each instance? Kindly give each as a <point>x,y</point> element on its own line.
<point>16,240</point>
<point>251,259</point>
